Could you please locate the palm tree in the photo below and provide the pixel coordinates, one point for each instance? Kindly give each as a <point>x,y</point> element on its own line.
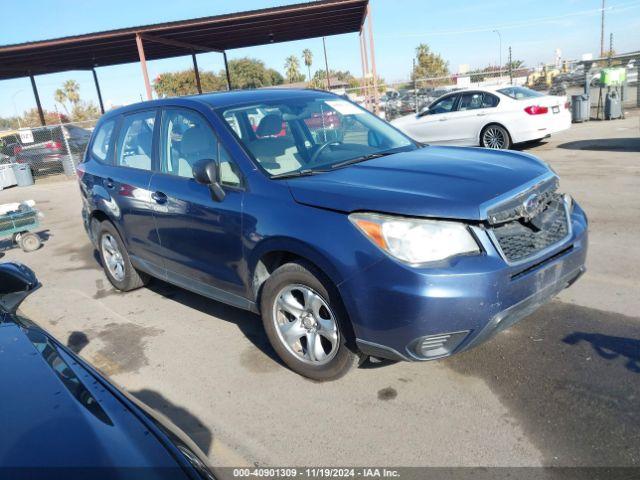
<point>69,93</point>
<point>308,60</point>
<point>292,68</point>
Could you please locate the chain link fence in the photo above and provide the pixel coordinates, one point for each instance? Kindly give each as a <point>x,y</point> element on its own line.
<point>45,151</point>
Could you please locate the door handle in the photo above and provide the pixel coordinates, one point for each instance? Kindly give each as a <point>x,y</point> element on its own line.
<point>109,183</point>
<point>443,119</point>
<point>481,114</point>
<point>159,197</point>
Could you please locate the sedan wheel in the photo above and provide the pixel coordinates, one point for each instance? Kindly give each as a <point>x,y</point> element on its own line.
<point>495,136</point>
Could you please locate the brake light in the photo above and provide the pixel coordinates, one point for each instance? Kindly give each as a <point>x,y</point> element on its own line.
<point>536,110</point>
<point>17,149</point>
<point>53,145</point>
<point>567,105</point>
<point>80,172</point>
<point>19,160</point>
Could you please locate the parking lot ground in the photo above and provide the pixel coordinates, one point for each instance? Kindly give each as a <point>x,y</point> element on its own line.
<point>562,387</point>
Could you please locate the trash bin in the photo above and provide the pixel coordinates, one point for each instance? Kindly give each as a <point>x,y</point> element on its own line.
<point>580,108</point>
<point>612,106</point>
<point>7,177</point>
<point>23,174</point>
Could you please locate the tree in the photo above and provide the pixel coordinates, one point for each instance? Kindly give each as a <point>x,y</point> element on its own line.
<point>514,64</point>
<point>429,64</point>
<point>292,69</point>
<point>31,118</point>
<point>68,94</point>
<point>244,73</point>
<point>307,56</point>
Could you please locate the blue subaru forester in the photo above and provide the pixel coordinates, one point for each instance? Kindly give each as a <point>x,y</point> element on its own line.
<point>346,236</point>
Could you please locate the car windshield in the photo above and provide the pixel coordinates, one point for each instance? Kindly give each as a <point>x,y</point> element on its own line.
<point>307,135</point>
<point>520,93</point>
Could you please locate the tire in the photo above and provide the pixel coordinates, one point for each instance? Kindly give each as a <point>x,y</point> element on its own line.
<point>115,260</point>
<point>29,242</point>
<point>310,305</point>
<point>496,137</point>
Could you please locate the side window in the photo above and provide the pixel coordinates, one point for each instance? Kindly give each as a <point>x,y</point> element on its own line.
<point>102,140</point>
<point>490,101</point>
<point>135,142</point>
<point>444,105</point>
<point>470,101</point>
<point>187,138</point>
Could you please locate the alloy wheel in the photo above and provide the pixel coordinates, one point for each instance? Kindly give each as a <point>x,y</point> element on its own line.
<point>112,257</point>
<point>305,324</point>
<point>494,137</point>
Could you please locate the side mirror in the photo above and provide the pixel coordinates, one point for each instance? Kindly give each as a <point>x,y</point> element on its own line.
<point>207,172</point>
<point>423,112</point>
<point>16,283</point>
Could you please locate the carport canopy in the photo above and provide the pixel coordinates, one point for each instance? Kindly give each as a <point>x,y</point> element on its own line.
<point>164,40</point>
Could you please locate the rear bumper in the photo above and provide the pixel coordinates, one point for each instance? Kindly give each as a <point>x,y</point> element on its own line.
<point>548,124</point>
<point>395,308</point>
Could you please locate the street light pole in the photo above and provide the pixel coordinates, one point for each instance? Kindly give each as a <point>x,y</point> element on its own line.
<point>500,56</point>
<point>15,108</point>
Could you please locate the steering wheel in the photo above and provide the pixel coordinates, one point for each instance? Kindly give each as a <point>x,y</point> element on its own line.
<point>316,154</point>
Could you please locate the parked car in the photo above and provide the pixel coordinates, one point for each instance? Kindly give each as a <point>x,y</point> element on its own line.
<point>48,149</point>
<point>372,244</point>
<point>496,117</point>
<point>62,419</point>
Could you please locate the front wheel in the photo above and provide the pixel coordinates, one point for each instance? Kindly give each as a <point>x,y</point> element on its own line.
<point>306,323</point>
<point>496,137</point>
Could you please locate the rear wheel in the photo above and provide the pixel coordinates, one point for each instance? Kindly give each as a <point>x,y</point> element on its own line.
<point>495,136</point>
<point>115,260</point>
<point>306,323</point>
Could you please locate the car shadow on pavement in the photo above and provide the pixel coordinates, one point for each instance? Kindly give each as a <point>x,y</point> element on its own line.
<point>577,408</point>
<point>179,416</point>
<point>248,323</point>
<point>610,347</point>
<point>604,144</point>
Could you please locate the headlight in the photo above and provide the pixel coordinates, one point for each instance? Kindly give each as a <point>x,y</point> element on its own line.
<point>415,240</point>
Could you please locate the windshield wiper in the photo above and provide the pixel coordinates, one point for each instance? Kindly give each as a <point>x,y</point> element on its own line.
<point>299,173</point>
<point>363,158</point>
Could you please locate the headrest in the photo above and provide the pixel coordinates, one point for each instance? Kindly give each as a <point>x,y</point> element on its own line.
<point>270,125</point>
<point>196,140</point>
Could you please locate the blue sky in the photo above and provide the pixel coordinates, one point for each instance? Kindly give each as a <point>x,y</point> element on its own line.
<point>460,30</point>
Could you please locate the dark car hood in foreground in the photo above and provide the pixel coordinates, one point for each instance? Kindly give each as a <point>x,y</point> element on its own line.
<point>444,182</point>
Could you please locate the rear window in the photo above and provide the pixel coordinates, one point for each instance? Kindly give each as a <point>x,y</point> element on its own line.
<point>520,93</point>
<point>100,146</point>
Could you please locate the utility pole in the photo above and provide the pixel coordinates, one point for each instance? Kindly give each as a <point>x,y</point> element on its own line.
<point>415,86</point>
<point>510,67</point>
<point>602,31</point>
<point>326,63</point>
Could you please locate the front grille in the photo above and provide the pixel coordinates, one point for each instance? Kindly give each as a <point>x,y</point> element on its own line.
<point>524,238</point>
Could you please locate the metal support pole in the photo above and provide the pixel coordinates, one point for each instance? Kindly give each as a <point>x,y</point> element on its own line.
<point>366,70</point>
<point>510,68</point>
<point>37,97</point>
<point>197,73</point>
<point>226,69</point>
<point>95,80</point>
<point>143,65</point>
<point>326,63</point>
<point>638,82</point>
<point>376,94</point>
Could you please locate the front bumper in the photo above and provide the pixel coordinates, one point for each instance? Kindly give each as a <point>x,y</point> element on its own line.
<point>395,308</point>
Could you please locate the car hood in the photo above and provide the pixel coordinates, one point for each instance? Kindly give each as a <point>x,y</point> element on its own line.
<point>441,182</point>
<point>54,413</point>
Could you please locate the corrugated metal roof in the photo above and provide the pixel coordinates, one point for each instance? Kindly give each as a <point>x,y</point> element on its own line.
<point>221,32</point>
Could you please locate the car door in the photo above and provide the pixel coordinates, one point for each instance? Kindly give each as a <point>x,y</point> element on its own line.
<point>200,237</point>
<point>127,182</point>
<point>467,119</point>
<point>432,125</point>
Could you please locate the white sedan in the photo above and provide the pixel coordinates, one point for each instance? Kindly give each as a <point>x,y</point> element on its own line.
<point>492,117</point>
